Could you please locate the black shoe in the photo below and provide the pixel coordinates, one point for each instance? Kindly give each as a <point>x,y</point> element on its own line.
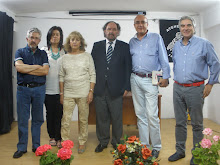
<point>34,150</point>
<point>114,146</point>
<point>176,157</point>
<point>100,148</point>
<point>191,161</point>
<point>155,153</point>
<point>19,154</point>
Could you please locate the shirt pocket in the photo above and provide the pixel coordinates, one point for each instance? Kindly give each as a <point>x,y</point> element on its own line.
<point>149,50</point>
<point>198,57</point>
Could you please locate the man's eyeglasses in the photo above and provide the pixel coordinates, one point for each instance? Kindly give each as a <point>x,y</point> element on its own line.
<point>140,22</point>
<point>34,38</point>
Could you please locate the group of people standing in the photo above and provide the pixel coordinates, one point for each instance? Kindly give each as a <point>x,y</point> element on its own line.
<point>75,77</point>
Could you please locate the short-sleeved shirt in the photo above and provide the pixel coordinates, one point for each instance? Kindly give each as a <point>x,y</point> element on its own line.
<point>39,57</point>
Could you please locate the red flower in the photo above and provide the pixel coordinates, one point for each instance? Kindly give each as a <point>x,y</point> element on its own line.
<point>118,162</point>
<point>140,163</point>
<point>47,147</point>
<point>68,144</point>
<point>64,153</point>
<point>145,152</point>
<point>122,148</point>
<point>131,139</point>
<point>155,163</point>
<point>42,149</point>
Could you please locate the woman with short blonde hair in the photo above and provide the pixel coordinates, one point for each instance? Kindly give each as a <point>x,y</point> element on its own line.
<point>75,34</point>
<point>77,80</point>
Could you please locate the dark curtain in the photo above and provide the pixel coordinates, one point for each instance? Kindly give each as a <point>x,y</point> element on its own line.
<point>169,30</point>
<point>6,89</point>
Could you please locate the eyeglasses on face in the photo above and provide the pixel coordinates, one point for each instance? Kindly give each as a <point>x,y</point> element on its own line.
<point>140,22</point>
<point>34,38</point>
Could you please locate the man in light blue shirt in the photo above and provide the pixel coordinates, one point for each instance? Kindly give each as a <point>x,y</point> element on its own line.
<point>193,59</point>
<point>148,54</point>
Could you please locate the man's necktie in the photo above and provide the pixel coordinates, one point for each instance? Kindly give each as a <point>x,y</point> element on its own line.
<point>109,52</point>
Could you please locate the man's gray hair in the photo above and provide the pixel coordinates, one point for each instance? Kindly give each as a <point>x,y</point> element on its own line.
<point>188,18</point>
<point>33,30</point>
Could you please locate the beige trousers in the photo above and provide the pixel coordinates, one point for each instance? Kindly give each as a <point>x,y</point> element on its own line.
<point>83,110</point>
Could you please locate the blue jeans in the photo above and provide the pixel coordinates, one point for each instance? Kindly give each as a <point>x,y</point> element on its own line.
<point>145,98</point>
<point>26,97</point>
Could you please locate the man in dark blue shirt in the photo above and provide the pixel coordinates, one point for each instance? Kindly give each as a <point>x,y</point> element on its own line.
<point>32,67</point>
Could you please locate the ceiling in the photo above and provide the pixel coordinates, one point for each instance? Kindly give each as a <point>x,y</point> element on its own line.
<point>33,6</point>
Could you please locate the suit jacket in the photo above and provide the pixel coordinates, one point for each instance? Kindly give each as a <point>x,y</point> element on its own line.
<point>116,73</point>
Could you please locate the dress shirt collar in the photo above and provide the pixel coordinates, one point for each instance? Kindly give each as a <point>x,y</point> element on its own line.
<point>135,36</point>
<point>190,40</point>
<point>107,42</point>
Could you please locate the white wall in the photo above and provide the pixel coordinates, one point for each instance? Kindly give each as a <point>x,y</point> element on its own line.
<point>91,29</point>
<point>211,25</point>
<point>8,12</point>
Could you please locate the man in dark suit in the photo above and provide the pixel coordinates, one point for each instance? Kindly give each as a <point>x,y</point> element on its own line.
<point>113,69</point>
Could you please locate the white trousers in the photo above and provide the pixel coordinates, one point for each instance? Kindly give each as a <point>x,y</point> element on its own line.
<point>145,99</point>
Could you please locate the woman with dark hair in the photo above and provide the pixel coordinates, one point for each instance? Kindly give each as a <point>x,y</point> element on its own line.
<point>54,109</point>
<point>77,80</point>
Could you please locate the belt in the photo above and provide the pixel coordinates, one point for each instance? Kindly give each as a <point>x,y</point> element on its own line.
<point>197,84</point>
<point>31,85</point>
<point>143,75</point>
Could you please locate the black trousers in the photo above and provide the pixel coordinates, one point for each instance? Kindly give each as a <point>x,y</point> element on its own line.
<point>108,110</point>
<point>54,113</point>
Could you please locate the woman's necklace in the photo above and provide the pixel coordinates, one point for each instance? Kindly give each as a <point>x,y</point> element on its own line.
<point>55,56</point>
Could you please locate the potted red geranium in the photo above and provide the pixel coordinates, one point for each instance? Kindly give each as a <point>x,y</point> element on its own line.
<point>63,157</point>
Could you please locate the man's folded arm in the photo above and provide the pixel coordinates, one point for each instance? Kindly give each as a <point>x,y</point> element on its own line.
<point>25,68</point>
